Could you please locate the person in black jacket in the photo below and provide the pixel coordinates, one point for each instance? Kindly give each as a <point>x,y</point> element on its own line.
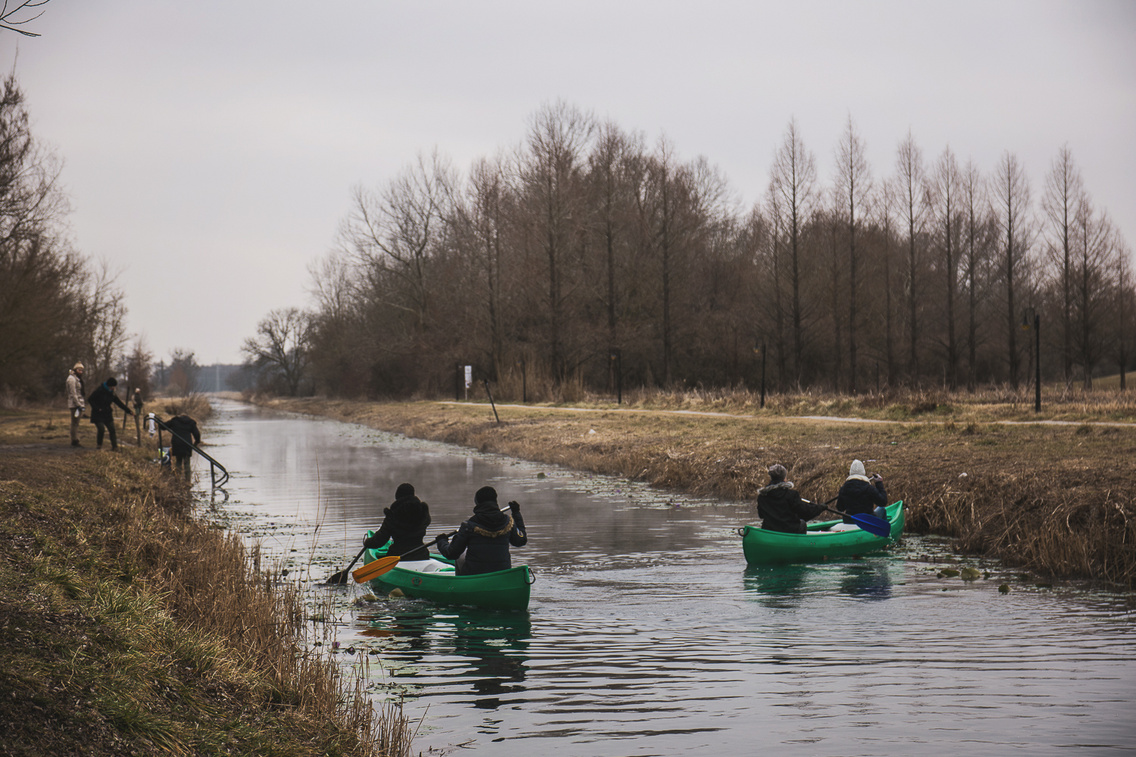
<point>102,412</point>
<point>861,494</point>
<point>485,538</point>
<point>780,505</point>
<point>183,428</point>
<point>404,526</point>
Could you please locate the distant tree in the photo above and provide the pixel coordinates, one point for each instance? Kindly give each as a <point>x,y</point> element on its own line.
<point>979,232</point>
<point>1011,188</point>
<point>181,378</point>
<point>1094,245</point>
<point>1064,192</point>
<point>912,190</point>
<point>854,186</point>
<point>278,354</point>
<point>793,182</point>
<point>137,372</point>
<point>946,211</point>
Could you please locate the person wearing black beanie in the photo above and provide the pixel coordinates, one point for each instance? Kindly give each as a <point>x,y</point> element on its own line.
<point>405,523</point>
<point>481,544</point>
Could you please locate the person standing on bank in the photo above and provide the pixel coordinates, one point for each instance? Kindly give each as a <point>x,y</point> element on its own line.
<point>137,403</point>
<point>780,505</point>
<point>404,526</point>
<point>75,402</point>
<point>481,544</point>
<point>182,429</point>
<point>102,412</point>
<point>861,494</point>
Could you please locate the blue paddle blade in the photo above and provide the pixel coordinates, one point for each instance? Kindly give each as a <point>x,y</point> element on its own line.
<point>872,524</point>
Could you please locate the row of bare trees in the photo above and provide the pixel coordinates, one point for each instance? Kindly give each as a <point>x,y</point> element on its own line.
<point>585,251</point>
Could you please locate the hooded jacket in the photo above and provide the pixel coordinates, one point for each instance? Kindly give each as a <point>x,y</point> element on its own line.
<point>485,539</point>
<point>75,391</point>
<point>782,509</point>
<point>182,429</point>
<point>404,526</point>
<point>859,495</point>
<point>101,401</point>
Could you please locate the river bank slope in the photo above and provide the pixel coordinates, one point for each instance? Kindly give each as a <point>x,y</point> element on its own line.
<point>1055,499</point>
<point>130,626</point>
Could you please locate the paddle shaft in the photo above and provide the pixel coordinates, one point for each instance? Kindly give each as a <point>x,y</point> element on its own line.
<point>341,577</point>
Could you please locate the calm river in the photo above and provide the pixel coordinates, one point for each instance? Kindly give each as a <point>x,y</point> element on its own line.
<point>647,635</point>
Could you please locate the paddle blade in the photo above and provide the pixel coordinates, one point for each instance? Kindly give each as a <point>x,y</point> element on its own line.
<point>872,524</point>
<point>375,568</point>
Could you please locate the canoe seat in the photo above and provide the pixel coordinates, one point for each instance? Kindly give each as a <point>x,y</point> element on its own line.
<point>427,566</point>
<point>845,527</point>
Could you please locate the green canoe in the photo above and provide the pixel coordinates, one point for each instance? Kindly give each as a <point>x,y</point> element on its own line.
<point>763,547</point>
<point>434,579</point>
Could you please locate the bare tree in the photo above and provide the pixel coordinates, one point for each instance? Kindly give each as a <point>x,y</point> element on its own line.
<point>1095,244</point>
<point>15,14</point>
<point>946,190</point>
<point>794,183</point>
<point>552,175</point>
<point>854,185</point>
<point>1013,192</point>
<point>977,245</point>
<point>279,351</point>
<point>182,376</point>
<point>911,185</point>
<point>1064,191</point>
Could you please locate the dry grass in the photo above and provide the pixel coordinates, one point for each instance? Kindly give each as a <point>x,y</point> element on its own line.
<point>129,627</point>
<point>1055,499</point>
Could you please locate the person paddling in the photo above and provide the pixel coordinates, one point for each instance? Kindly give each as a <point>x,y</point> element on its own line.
<point>862,494</point>
<point>481,544</point>
<point>405,524</point>
<point>780,505</point>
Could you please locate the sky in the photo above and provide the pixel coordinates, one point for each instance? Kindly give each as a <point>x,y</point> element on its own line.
<point>211,148</point>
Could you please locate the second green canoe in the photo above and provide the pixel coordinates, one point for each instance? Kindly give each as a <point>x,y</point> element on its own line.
<point>434,579</point>
<point>818,544</point>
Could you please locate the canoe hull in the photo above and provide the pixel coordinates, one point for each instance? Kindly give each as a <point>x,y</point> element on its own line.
<point>502,590</point>
<point>763,547</point>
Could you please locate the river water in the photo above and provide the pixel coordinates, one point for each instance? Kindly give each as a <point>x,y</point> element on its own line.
<point>648,635</point>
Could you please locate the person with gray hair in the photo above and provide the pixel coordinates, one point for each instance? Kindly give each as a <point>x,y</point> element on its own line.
<point>780,505</point>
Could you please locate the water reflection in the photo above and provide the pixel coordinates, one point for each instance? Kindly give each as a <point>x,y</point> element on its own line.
<point>788,586</point>
<point>489,647</point>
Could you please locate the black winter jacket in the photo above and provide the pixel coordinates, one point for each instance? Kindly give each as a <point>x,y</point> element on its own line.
<point>100,402</point>
<point>782,509</point>
<point>485,540</point>
<point>404,526</point>
<point>858,497</point>
<point>183,429</point>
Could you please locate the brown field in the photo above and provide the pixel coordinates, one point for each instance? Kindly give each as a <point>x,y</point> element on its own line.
<point>1055,498</point>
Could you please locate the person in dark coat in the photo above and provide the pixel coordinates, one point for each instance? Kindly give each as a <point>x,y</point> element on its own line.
<point>780,505</point>
<point>861,494</point>
<point>183,429</point>
<point>404,526</point>
<point>101,403</point>
<point>485,538</point>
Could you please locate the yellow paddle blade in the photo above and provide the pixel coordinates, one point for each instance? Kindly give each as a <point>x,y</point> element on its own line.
<point>374,568</point>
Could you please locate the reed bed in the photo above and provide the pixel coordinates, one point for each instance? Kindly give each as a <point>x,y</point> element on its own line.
<point>128,626</point>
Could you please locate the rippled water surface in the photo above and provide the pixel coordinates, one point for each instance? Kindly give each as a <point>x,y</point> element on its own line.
<point>647,634</point>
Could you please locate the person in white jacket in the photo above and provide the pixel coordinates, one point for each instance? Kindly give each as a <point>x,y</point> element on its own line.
<point>75,402</point>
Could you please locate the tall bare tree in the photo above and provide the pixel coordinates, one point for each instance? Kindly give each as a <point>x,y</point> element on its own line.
<point>946,211</point>
<point>854,185</point>
<point>1064,192</point>
<point>912,189</point>
<point>279,352</point>
<point>793,181</point>
<point>977,245</point>
<point>1012,190</point>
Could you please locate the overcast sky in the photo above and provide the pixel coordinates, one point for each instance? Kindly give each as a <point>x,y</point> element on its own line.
<point>211,147</point>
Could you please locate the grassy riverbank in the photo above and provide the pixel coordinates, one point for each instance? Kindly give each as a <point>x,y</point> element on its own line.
<point>128,626</point>
<point>1056,500</point>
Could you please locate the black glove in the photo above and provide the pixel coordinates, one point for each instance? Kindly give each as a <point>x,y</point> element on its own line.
<point>515,508</point>
<point>372,542</point>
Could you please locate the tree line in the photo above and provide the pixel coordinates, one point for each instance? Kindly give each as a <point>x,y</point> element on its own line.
<point>586,258</point>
